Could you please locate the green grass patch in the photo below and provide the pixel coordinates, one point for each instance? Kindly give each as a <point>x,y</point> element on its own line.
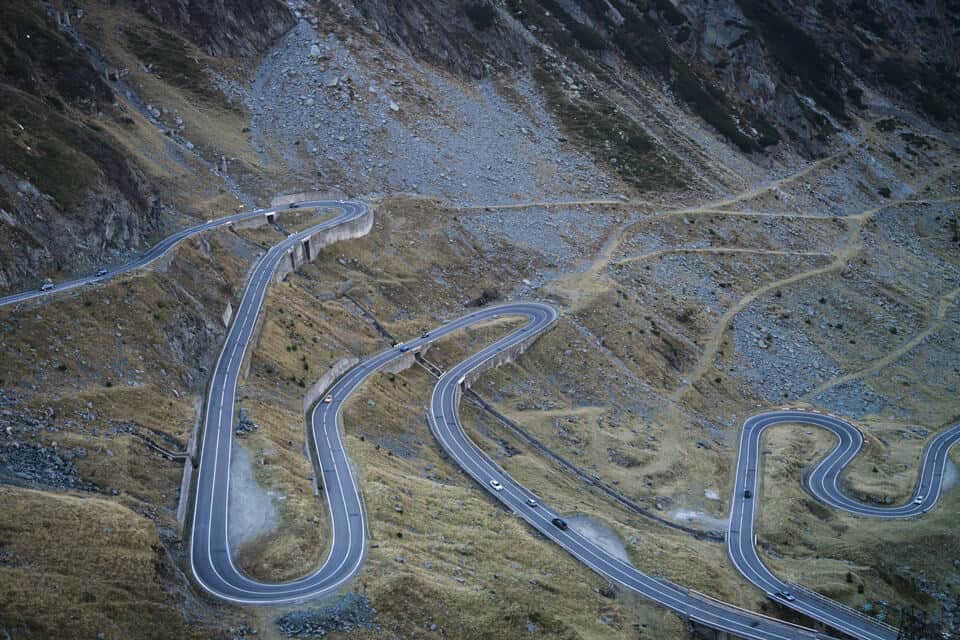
<point>36,57</point>
<point>167,57</point>
<point>887,125</point>
<point>43,150</point>
<point>609,134</point>
<point>481,15</point>
<point>646,48</point>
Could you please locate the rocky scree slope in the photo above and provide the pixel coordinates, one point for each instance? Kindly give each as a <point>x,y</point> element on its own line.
<point>81,183</point>
<point>68,192</point>
<point>756,71</point>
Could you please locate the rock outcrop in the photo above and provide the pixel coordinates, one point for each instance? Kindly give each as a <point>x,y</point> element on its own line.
<point>237,28</point>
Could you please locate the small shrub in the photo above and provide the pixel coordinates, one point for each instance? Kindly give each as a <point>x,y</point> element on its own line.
<point>481,15</point>
<point>887,125</point>
<point>587,37</point>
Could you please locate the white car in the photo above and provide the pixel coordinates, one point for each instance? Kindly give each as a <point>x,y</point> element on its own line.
<point>496,485</point>
<point>46,286</point>
<point>328,399</point>
<point>531,502</point>
<point>918,500</point>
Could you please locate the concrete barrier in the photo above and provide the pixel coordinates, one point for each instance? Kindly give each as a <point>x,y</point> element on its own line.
<point>186,483</point>
<point>504,357</point>
<point>309,249</point>
<point>250,223</point>
<point>317,389</point>
<point>279,201</point>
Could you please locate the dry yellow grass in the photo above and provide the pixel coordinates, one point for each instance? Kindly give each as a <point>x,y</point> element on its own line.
<point>596,389</point>
<point>817,547</point>
<point>77,566</point>
<point>109,361</point>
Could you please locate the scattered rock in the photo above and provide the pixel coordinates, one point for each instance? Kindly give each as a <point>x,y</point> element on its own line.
<point>353,611</point>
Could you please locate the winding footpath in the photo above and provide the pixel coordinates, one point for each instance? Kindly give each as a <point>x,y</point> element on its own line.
<point>210,556</point>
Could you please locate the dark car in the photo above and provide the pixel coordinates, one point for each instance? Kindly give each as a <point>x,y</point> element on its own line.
<point>559,524</point>
<point>748,494</point>
<point>294,205</point>
<point>101,273</point>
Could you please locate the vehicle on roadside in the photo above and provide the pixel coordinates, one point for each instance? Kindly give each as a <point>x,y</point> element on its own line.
<point>786,595</point>
<point>328,399</point>
<point>46,286</point>
<point>531,502</point>
<point>747,494</point>
<point>496,485</point>
<point>424,334</point>
<point>559,524</point>
<point>101,273</point>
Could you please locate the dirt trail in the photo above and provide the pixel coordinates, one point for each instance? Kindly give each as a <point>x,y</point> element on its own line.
<point>844,253</point>
<point>712,344</point>
<point>579,288</point>
<point>936,322</point>
<point>746,195</point>
<point>607,202</point>
<point>765,252</point>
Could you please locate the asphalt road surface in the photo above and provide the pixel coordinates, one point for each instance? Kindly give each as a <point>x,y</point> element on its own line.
<point>824,484</point>
<point>210,556</point>
<point>154,252</point>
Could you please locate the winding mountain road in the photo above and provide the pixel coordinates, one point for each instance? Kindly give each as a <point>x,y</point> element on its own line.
<point>824,484</point>
<point>210,556</point>
<point>155,252</point>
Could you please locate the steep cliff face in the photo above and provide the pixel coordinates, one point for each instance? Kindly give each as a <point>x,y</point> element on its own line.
<point>467,40</point>
<point>236,28</point>
<point>757,71</point>
<point>75,188</point>
<point>69,196</point>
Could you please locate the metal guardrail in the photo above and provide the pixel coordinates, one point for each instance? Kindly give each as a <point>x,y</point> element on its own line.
<point>586,477</point>
<point>833,603</point>
<point>813,633</point>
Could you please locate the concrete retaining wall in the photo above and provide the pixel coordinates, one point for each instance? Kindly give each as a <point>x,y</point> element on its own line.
<point>339,368</point>
<point>186,494</point>
<point>193,459</point>
<point>279,201</point>
<point>250,223</point>
<point>310,248</point>
<point>405,361</point>
<point>504,357</point>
